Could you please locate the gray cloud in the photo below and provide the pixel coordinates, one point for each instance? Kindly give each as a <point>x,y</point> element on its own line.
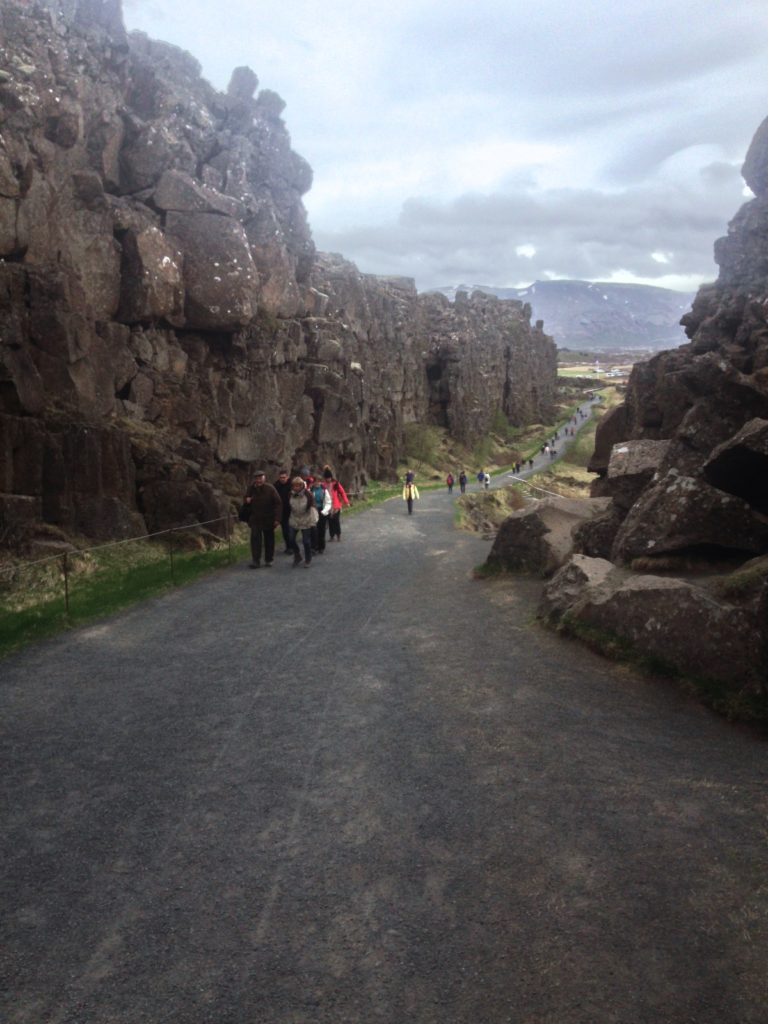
<point>575,233</point>
<point>446,136</point>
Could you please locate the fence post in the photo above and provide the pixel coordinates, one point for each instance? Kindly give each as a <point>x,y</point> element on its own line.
<point>170,555</point>
<point>65,570</point>
<point>229,536</point>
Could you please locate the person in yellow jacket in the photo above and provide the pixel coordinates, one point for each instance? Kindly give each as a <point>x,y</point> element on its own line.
<point>410,494</point>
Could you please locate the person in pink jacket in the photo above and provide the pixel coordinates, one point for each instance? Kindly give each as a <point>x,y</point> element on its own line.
<point>338,500</point>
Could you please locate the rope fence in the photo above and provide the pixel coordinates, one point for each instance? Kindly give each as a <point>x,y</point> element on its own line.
<point>55,577</point>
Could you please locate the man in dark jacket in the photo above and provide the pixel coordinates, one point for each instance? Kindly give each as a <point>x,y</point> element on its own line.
<point>283,488</point>
<point>265,513</point>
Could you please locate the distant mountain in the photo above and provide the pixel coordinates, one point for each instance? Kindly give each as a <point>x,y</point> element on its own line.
<point>584,315</point>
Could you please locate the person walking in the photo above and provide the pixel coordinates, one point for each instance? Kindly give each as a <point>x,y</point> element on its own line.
<point>283,487</point>
<point>303,518</point>
<point>264,513</point>
<point>410,494</point>
<point>486,480</point>
<point>449,483</point>
<point>463,481</point>
<point>338,500</point>
<point>322,498</point>
<point>481,477</point>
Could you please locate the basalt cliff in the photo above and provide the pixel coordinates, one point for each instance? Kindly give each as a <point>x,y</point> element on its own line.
<point>676,566</point>
<point>165,320</point>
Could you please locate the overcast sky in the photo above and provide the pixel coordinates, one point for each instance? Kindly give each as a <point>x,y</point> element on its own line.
<point>499,142</point>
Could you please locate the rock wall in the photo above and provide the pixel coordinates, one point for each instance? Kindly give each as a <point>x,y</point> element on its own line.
<point>165,321</point>
<point>685,458</point>
<point>684,462</point>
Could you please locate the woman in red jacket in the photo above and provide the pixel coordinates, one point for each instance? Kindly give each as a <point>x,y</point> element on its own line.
<point>338,500</point>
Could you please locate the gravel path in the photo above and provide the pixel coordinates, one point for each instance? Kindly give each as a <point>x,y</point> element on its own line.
<point>371,791</point>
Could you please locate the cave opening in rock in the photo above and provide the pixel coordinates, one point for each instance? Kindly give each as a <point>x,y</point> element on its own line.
<point>743,473</point>
<point>439,392</point>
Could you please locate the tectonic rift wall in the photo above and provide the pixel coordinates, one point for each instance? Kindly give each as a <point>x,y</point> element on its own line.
<point>165,321</point>
<point>685,458</point>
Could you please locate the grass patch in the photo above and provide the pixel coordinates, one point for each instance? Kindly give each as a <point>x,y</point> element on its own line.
<point>487,571</point>
<point>485,511</point>
<point>101,581</point>
<point>745,582</point>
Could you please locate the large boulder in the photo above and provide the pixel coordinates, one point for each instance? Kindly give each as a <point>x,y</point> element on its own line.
<point>680,625</point>
<point>220,278</point>
<point>631,468</point>
<point>180,192</point>
<point>152,285</point>
<point>580,575</point>
<point>596,536</point>
<point>539,539</point>
<point>680,514</point>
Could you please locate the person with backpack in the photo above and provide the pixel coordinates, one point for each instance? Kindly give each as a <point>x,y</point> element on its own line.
<point>449,482</point>
<point>410,494</point>
<point>338,500</point>
<point>463,481</point>
<point>322,498</point>
<point>262,509</point>
<point>303,517</point>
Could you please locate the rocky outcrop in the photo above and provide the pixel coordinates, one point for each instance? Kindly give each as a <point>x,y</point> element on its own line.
<point>160,295</point>
<point>707,404</point>
<point>684,463</point>
<point>538,539</point>
<point>678,624</point>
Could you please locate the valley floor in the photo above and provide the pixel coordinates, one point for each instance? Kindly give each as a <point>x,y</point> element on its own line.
<point>371,791</point>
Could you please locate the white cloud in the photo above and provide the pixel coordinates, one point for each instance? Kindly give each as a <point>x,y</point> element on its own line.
<point>453,139</point>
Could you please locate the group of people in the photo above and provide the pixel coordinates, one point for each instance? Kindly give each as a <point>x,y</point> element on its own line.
<point>483,478</point>
<point>450,480</point>
<point>304,504</point>
<point>411,491</point>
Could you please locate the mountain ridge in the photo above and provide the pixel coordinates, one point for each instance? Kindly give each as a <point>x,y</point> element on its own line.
<point>597,314</point>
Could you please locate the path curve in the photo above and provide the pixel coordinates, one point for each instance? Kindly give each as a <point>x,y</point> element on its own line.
<point>371,791</point>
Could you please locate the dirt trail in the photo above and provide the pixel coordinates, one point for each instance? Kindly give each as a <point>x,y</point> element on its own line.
<point>373,791</point>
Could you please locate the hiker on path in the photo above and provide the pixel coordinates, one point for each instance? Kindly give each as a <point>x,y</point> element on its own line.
<point>410,494</point>
<point>283,487</point>
<point>463,481</point>
<point>486,480</point>
<point>338,500</point>
<point>481,477</point>
<point>302,519</point>
<point>265,510</point>
<point>322,498</point>
<point>449,483</point>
